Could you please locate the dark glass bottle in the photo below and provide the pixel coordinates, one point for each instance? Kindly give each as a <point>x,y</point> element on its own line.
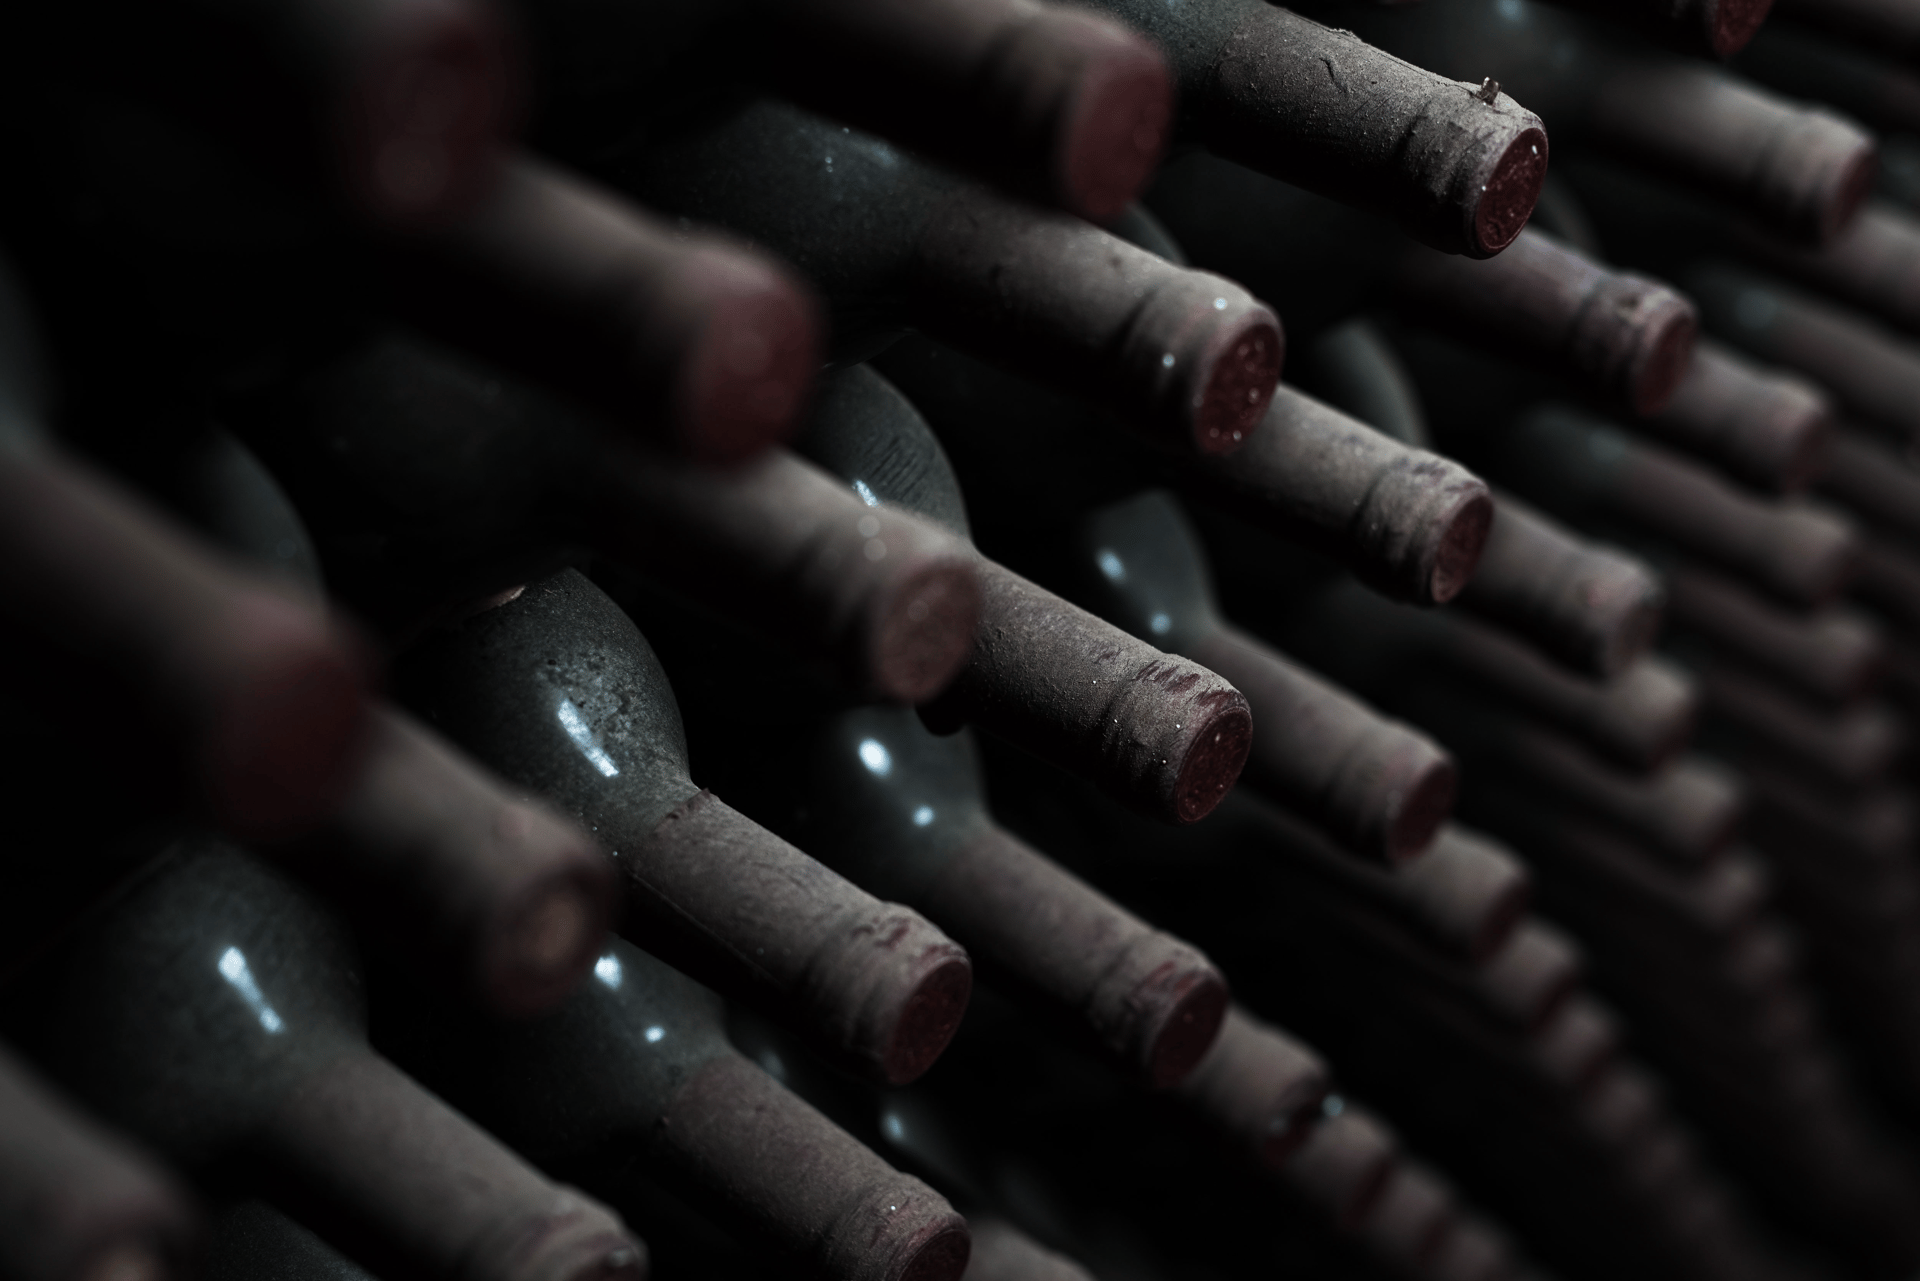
<point>1373,647</point>
<point>500,899</point>
<point>1686,810</point>
<point>886,600</point>
<point>1409,522</point>
<point>1719,28</point>
<point>1768,430</point>
<point>1889,28</point>
<point>78,1203</point>
<point>1379,788</point>
<point>215,1011</point>
<point>1618,335</point>
<point>226,692</point>
<point>395,109</point>
<point>1458,166</point>
<point>1052,101</point>
<point>1260,1087</point>
<point>1872,373</point>
<point>1869,82</point>
<point>1590,605</point>
<point>903,812</point>
<point>1802,170</point>
<point>1595,475</point>
<point>1163,736</point>
<point>1187,358</point>
<point>1873,263</point>
<point>558,690</point>
<point>693,342</point>
<point>1833,656</point>
<point>635,1071</point>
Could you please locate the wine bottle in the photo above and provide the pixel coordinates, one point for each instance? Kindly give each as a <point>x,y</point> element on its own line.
<point>635,1072</point>
<point>394,109</point>
<point>227,692</point>
<point>1378,788</point>
<point>78,1203</point>
<point>1687,810</point>
<point>215,1012</point>
<point>1588,472</point>
<point>1187,358</point>
<point>1422,953</point>
<point>1342,1164</point>
<point>558,690</point>
<point>1833,655</point>
<point>502,901</point>
<point>1259,1088</point>
<point>1872,264</point>
<point>1468,892</point>
<point>1475,1250</point>
<point>1622,1106</point>
<point>1576,1044</point>
<point>1770,431</point>
<point>1052,101</point>
<point>1592,607</point>
<point>877,797</point>
<point>1800,169</point>
<point>1457,165</point>
<point>1164,736</point>
<point>1637,719</point>
<point>1531,975</point>
<point>1850,747</point>
<point>1876,484</point>
<point>1408,1224</point>
<point>1619,335</point>
<point>1871,373</point>
<point>1868,82</point>
<point>1888,27</point>
<point>1408,522</point>
<point>695,343</point>
<point>886,601</point>
<point>1583,872</point>
<point>1889,582</point>
<point>1462,898</point>
<point>1720,28</point>
<point>1354,368</point>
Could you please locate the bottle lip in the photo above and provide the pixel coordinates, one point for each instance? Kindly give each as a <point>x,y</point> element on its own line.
<point>924,631</point>
<point>928,1018</point>
<point>1188,1027</point>
<point>745,376</point>
<point>1236,376</point>
<point>1663,353</point>
<point>424,114</point>
<point>1508,194</point>
<point>292,724</point>
<point>1116,124</point>
<point>1219,745</point>
<point>1462,538</point>
<point>1425,803</point>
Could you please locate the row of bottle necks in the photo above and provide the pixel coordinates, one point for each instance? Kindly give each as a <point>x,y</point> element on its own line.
<point>448,458</point>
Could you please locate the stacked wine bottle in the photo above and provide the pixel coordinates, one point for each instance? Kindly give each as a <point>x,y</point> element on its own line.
<point>699,639</point>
